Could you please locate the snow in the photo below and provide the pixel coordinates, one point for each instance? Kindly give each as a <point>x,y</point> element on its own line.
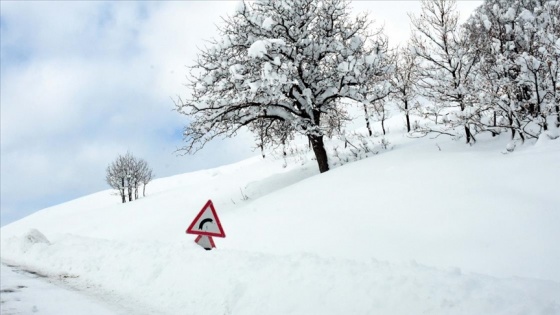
<point>431,226</point>
<point>371,59</point>
<point>355,42</point>
<point>268,23</point>
<point>487,23</point>
<point>343,67</point>
<point>260,47</point>
<point>527,15</point>
<point>257,49</point>
<point>234,70</point>
<point>24,293</point>
<point>254,86</point>
<point>509,15</point>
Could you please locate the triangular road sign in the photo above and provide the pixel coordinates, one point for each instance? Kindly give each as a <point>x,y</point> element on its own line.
<point>207,222</point>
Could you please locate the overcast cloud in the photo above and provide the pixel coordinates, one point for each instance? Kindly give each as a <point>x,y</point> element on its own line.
<point>84,81</point>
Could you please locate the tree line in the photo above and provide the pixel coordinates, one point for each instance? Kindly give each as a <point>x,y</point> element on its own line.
<point>497,72</point>
<point>291,67</point>
<point>126,173</point>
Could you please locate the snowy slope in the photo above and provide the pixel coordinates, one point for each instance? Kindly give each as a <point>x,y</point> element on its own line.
<point>431,226</point>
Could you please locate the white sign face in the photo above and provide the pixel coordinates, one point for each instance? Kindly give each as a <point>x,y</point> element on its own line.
<point>207,222</point>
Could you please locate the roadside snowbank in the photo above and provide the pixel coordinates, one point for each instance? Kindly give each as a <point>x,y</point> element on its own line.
<point>180,278</point>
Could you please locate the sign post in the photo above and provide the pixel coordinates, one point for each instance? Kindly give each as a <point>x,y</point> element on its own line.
<point>206,224</point>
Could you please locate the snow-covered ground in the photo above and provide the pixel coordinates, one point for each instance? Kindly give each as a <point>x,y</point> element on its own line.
<point>431,226</point>
<point>27,293</point>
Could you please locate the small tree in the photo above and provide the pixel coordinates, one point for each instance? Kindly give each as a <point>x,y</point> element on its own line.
<point>145,176</point>
<point>404,82</point>
<point>126,173</point>
<point>116,176</point>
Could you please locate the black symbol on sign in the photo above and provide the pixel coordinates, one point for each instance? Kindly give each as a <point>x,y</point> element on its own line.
<point>201,225</point>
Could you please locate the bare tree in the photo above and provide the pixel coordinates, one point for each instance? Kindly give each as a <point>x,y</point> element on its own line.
<point>146,175</point>
<point>126,173</point>
<point>116,176</point>
<point>404,81</point>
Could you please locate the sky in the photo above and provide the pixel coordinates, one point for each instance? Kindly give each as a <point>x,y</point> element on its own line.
<point>84,81</point>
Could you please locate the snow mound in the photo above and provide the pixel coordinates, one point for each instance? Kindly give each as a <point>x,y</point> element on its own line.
<point>35,237</point>
<point>30,239</point>
<point>182,276</point>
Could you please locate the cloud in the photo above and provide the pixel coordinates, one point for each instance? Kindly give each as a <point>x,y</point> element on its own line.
<point>85,81</point>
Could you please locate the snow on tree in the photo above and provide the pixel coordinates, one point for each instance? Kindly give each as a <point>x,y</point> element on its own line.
<point>126,173</point>
<point>280,68</point>
<point>519,47</point>
<point>445,67</point>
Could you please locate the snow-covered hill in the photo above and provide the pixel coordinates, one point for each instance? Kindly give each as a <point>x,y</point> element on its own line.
<point>431,226</point>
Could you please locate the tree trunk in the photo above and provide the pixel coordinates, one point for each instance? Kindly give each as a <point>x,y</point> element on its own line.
<point>123,196</point>
<point>407,116</point>
<point>510,118</point>
<point>129,188</point>
<point>470,137</point>
<point>144,190</point>
<point>383,121</point>
<point>495,123</point>
<point>557,116</point>
<point>367,120</point>
<point>320,152</point>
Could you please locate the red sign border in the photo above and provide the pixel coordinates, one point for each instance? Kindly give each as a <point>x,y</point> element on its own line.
<point>211,205</point>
